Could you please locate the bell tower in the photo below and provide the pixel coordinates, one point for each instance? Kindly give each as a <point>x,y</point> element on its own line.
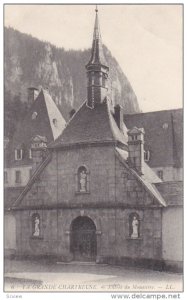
<point>97,70</point>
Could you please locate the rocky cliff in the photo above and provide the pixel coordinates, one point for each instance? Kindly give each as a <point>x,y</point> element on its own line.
<point>31,62</point>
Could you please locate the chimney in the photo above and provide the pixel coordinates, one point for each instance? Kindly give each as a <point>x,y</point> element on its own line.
<point>118,116</point>
<point>39,151</point>
<point>136,148</point>
<point>32,95</point>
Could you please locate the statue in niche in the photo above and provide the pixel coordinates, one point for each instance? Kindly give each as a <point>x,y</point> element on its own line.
<point>135,228</point>
<point>36,226</point>
<point>83,179</point>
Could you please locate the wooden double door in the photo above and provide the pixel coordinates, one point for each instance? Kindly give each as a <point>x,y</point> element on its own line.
<point>83,239</point>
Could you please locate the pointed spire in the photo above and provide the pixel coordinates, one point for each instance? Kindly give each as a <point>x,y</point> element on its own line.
<point>96,34</point>
<point>97,55</point>
<point>97,70</point>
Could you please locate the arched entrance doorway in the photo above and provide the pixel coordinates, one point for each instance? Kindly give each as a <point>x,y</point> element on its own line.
<point>83,243</point>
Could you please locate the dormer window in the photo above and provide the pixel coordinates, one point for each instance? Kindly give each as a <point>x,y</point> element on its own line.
<point>160,174</point>
<point>38,142</point>
<point>55,123</point>
<point>134,137</point>
<point>18,154</point>
<point>147,155</point>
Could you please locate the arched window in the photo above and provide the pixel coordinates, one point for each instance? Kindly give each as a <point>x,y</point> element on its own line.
<point>82,180</point>
<point>36,225</point>
<point>134,226</point>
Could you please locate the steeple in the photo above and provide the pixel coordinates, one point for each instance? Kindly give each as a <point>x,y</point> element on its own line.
<point>97,69</point>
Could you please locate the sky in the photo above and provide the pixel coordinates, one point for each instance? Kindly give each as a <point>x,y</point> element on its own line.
<point>146,40</point>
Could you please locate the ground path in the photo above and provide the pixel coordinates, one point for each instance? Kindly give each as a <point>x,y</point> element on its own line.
<point>28,275</point>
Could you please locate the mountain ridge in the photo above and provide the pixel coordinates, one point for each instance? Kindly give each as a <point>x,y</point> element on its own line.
<point>29,61</point>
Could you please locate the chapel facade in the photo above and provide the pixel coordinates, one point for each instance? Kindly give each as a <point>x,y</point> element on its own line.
<point>92,196</point>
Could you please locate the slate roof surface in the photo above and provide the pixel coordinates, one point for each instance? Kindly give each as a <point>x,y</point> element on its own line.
<point>89,126</point>
<point>163,135</point>
<point>54,113</point>
<point>42,125</point>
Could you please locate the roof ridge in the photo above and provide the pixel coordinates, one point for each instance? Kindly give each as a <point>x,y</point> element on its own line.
<point>154,111</point>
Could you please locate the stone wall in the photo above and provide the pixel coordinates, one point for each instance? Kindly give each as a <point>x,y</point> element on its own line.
<point>128,189</point>
<point>99,162</point>
<point>137,200</point>
<point>172,234</point>
<point>114,194</point>
<point>111,229</point>
<point>10,233</point>
<point>11,175</point>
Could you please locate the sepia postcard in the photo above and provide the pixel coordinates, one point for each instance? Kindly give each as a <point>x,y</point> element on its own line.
<point>93,148</point>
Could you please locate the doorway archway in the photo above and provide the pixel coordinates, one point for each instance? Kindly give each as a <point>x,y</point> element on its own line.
<point>83,243</point>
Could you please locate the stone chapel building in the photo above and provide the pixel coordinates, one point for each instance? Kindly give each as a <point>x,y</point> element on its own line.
<point>92,196</point>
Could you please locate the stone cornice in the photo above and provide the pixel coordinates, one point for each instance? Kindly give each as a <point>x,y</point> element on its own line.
<point>74,205</point>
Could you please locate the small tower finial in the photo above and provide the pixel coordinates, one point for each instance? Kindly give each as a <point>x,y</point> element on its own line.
<point>96,9</point>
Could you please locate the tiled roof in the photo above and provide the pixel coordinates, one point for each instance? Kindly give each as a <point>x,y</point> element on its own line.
<point>148,179</point>
<point>163,135</point>
<point>90,126</point>
<point>38,121</point>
